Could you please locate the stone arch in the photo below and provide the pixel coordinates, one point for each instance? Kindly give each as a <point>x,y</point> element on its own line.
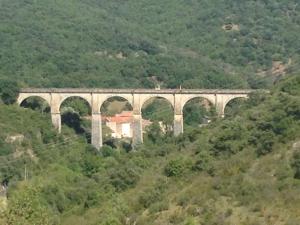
<point>24,96</point>
<point>197,111</point>
<point>105,98</point>
<point>145,98</point>
<point>185,99</point>
<point>79,118</point>
<point>85,97</point>
<point>232,98</point>
<point>37,103</point>
<point>166,115</point>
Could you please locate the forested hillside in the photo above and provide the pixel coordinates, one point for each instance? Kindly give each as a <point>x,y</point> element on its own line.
<point>240,170</point>
<point>193,43</point>
<point>243,169</point>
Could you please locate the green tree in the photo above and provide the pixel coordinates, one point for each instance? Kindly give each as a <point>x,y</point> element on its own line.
<point>296,164</point>
<point>25,208</point>
<point>154,132</point>
<point>9,91</point>
<point>177,167</point>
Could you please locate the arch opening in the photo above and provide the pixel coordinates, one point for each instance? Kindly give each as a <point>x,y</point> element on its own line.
<point>36,103</point>
<point>198,112</point>
<point>233,107</point>
<point>157,118</point>
<point>76,114</point>
<point>117,122</point>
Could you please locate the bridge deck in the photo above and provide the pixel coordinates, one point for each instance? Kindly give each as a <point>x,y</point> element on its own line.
<point>137,91</point>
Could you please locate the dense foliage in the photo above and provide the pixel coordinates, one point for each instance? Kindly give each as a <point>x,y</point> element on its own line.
<point>234,168</point>
<point>9,91</point>
<point>142,43</point>
<point>244,169</point>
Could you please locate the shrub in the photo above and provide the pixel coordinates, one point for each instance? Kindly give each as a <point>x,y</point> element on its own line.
<point>177,218</point>
<point>165,149</point>
<point>159,206</point>
<point>177,167</point>
<point>91,164</point>
<point>26,208</point>
<point>108,151</point>
<point>291,86</point>
<point>111,221</point>
<point>154,133</point>
<point>124,178</point>
<point>126,146</point>
<point>296,164</point>
<point>230,139</point>
<point>55,197</point>
<point>204,163</point>
<point>92,199</point>
<point>265,143</point>
<point>9,91</point>
<point>190,221</point>
<point>184,199</point>
<point>256,98</point>
<point>5,148</point>
<point>151,196</point>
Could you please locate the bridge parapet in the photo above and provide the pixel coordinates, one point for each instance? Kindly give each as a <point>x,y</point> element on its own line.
<point>137,91</point>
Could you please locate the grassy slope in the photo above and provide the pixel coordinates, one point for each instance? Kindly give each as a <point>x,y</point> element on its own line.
<point>235,183</point>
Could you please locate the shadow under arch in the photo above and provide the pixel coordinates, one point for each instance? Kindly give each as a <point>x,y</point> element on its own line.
<point>36,103</point>
<point>198,111</point>
<point>76,114</point>
<point>233,106</point>
<point>157,109</point>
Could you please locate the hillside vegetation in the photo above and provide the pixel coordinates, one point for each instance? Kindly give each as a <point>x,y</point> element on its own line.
<point>243,169</point>
<point>240,170</point>
<point>193,43</point>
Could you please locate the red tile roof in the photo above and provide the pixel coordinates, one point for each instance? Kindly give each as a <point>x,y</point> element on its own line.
<point>124,117</point>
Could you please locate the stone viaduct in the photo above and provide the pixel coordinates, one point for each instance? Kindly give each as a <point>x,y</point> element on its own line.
<point>136,97</point>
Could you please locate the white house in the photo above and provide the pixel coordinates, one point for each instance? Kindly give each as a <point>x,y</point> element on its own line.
<point>120,124</point>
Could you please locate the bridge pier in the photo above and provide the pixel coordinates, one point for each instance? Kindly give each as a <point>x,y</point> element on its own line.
<point>178,124</point>
<point>97,130</point>
<point>178,114</point>
<point>137,137</point>
<point>56,121</point>
<point>220,109</point>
